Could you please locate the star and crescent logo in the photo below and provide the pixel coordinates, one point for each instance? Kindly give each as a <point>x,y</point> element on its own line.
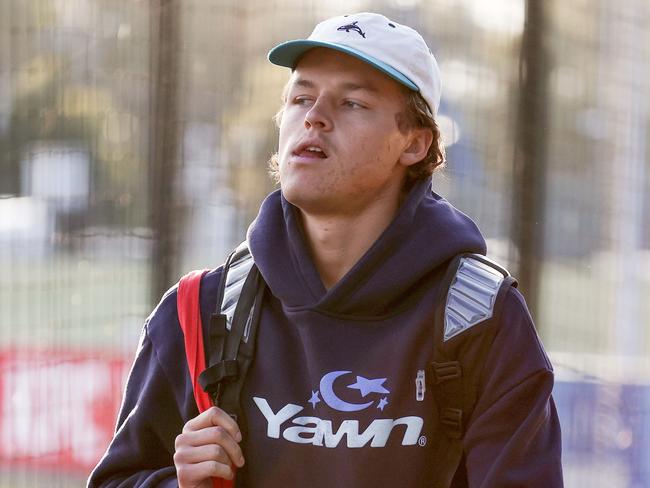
<point>366,386</point>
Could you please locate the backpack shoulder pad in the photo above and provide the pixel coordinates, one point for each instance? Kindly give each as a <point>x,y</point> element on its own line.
<point>472,293</point>
<point>235,271</point>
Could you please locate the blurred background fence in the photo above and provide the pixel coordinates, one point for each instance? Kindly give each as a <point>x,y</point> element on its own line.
<point>134,137</point>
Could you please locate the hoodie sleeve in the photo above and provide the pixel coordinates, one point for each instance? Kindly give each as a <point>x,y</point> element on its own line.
<point>513,438</point>
<point>154,409</point>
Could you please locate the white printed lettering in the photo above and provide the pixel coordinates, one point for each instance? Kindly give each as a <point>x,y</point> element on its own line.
<point>293,433</point>
<point>319,432</point>
<point>413,429</point>
<point>275,420</point>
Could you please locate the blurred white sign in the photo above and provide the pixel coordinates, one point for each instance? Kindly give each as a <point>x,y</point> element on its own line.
<point>58,173</point>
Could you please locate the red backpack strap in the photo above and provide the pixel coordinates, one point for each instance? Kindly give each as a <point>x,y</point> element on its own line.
<point>189,316</point>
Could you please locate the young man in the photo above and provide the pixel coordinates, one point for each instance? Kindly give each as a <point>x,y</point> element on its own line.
<point>354,250</point>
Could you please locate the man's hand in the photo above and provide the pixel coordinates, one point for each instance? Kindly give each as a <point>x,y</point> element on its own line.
<point>207,447</point>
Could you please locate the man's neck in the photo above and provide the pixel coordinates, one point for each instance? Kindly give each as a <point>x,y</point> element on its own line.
<point>337,242</point>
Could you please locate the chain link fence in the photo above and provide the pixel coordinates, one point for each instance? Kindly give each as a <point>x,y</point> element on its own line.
<point>134,139</point>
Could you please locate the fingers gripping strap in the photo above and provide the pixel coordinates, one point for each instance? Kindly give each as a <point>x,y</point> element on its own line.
<point>189,316</point>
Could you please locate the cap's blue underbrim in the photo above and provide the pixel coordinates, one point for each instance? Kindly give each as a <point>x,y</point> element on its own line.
<point>287,54</point>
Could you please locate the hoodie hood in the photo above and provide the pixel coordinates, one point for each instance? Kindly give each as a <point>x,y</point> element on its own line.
<point>425,234</point>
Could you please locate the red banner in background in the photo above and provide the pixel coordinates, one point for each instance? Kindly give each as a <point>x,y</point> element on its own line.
<point>58,408</point>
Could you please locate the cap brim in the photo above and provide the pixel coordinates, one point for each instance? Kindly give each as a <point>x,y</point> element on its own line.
<point>288,53</point>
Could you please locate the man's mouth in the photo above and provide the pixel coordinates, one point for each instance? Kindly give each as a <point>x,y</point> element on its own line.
<point>310,151</point>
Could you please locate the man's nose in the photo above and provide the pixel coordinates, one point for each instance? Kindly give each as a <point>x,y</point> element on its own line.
<point>318,116</point>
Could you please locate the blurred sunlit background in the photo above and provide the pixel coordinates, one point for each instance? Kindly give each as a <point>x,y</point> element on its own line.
<point>134,136</point>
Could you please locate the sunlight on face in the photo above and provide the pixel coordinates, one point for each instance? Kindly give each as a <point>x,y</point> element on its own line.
<point>340,147</point>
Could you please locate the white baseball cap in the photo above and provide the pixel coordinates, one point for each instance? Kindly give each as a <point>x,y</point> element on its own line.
<point>392,48</point>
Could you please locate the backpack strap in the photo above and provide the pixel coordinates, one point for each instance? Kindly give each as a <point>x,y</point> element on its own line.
<point>232,333</point>
<point>189,316</point>
<point>469,296</point>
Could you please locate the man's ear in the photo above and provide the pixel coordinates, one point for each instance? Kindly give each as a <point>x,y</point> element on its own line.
<point>418,147</point>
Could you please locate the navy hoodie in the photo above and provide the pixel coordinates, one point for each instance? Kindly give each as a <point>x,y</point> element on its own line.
<point>331,398</point>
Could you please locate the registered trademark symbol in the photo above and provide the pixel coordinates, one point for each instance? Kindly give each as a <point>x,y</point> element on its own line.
<point>422,441</point>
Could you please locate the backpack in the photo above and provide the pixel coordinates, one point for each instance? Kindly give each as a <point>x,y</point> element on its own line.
<point>471,289</point>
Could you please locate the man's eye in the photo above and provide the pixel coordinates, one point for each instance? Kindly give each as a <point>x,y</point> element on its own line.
<point>300,100</point>
<point>351,104</point>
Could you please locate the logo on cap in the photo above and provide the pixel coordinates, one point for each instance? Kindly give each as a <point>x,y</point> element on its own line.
<point>352,27</point>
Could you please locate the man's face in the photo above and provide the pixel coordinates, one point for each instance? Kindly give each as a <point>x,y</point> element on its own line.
<point>340,148</point>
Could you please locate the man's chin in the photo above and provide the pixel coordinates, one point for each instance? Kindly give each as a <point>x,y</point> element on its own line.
<point>309,202</point>
<point>299,197</point>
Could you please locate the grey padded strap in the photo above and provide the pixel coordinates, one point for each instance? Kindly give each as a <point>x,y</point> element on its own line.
<point>240,266</point>
<point>472,294</point>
